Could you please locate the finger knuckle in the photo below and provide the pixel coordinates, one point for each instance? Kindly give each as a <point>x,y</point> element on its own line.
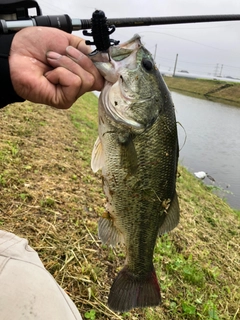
<point>90,80</point>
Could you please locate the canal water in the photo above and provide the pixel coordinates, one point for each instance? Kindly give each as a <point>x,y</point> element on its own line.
<point>212,132</point>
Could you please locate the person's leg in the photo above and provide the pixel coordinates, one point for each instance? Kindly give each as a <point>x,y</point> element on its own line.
<point>27,289</point>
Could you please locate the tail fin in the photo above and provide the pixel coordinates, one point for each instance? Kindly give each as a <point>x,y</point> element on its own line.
<point>129,291</point>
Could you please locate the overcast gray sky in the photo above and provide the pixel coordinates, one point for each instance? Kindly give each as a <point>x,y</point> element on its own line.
<point>202,48</point>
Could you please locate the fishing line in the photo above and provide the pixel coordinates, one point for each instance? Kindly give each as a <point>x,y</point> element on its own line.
<point>52,8</point>
<point>64,10</point>
<point>185,132</point>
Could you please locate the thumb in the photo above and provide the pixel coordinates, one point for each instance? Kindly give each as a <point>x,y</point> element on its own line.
<point>79,44</point>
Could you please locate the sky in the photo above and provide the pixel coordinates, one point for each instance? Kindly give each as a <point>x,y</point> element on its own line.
<point>202,48</point>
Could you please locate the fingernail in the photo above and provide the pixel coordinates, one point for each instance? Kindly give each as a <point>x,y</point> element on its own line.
<point>74,53</point>
<point>53,55</point>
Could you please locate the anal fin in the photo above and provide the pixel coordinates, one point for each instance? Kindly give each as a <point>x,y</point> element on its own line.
<point>108,233</point>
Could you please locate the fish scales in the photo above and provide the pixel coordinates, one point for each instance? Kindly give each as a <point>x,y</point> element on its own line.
<point>137,151</point>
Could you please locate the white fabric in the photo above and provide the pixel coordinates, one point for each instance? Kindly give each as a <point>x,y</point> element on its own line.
<point>27,289</point>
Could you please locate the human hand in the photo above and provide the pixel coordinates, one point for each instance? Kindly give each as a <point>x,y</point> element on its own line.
<point>50,66</point>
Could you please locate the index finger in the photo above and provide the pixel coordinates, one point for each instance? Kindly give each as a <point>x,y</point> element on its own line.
<point>86,64</point>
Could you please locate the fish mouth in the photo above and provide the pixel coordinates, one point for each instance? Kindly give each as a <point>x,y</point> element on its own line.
<point>119,113</point>
<point>122,51</point>
<point>117,94</point>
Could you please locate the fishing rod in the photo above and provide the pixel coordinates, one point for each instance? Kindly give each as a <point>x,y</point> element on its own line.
<point>100,26</point>
<point>65,23</point>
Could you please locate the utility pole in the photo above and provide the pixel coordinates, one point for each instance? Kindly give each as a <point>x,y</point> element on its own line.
<point>175,66</point>
<point>154,57</point>
<point>220,74</point>
<point>216,70</point>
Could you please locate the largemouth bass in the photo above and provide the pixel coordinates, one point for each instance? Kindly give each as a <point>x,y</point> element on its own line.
<point>137,151</point>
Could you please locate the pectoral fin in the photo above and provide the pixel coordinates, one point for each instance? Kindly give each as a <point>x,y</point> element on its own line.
<point>172,217</point>
<point>129,156</point>
<point>97,160</point>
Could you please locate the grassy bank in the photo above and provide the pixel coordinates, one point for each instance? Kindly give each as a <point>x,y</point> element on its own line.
<point>50,196</point>
<point>214,89</point>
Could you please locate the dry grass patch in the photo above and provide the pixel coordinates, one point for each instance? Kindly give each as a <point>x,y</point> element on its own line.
<point>50,196</point>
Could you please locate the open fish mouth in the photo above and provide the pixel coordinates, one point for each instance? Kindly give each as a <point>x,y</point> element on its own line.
<point>119,94</point>
<point>116,113</point>
<point>122,51</point>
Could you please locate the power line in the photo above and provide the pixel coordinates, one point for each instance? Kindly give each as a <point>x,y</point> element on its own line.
<point>196,63</point>
<point>189,40</point>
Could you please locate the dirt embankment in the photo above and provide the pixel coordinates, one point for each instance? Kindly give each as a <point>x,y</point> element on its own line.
<point>214,89</point>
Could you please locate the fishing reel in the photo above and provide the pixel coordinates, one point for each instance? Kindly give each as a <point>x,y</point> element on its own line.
<point>17,12</point>
<point>18,9</point>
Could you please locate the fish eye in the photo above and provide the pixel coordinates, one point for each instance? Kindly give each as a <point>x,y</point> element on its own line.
<point>147,64</point>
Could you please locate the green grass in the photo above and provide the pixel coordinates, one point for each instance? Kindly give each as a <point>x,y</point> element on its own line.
<point>191,275</point>
<point>50,196</point>
<point>83,117</point>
